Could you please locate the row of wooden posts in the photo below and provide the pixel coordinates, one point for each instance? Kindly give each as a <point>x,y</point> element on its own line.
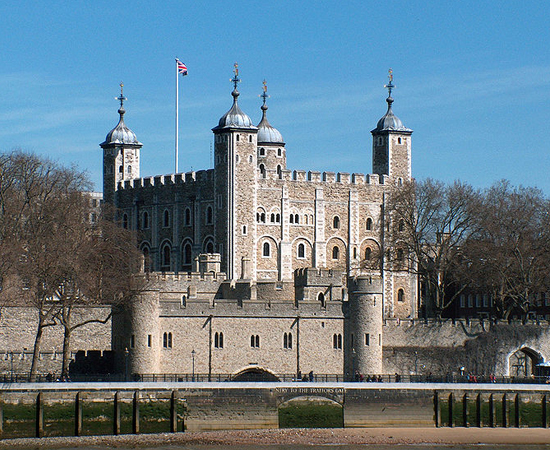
<point>39,421</point>
<point>506,400</point>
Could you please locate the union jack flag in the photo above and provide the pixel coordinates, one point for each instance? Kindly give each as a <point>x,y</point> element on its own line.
<point>182,68</point>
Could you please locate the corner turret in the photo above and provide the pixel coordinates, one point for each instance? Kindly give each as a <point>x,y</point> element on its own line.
<point>391,149</point>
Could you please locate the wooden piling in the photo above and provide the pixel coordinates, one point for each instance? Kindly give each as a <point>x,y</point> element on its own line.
<point>39,416</point>
<point>77,415</point>
<point>437,409</point>
<point>465,422</point>
<point>135,413</point>
<point>492,415</point>
<point>173,413</point>
<point>479,423</point>
<point>116,415</point>
<point>505,418</point>
<point>451,410</point>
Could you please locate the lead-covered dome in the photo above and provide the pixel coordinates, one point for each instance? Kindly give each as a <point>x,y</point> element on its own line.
<point>266,133</point>
<point>390,122</point>
<point>121,134</point>
<point>235,117</point>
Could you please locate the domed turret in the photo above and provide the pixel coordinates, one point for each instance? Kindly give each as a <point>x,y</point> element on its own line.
<point>120,155</point>
<point>235,117</point>
<point>121,134</point>
<point>390,122</point>
<point>266,133</point>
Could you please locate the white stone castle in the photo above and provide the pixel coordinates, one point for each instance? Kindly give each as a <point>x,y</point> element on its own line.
<point>254,267</point>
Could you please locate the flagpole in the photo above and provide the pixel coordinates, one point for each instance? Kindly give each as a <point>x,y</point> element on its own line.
<point>177,117</point>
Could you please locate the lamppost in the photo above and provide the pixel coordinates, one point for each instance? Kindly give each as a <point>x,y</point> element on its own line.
<point>126,361</point>
<point>193,366</point>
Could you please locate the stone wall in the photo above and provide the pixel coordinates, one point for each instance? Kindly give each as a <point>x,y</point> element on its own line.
<point>18,331</point>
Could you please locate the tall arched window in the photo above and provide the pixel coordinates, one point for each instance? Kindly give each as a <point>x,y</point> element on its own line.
<point>291,218</point>
<point>218,340</point>
<point>146,259</point>
<point>296,218</point>
<point>262,170</point>
<point>336,222</point>
<point>166,254</point>
<point>125,221</point>
<point>209,215</point>
<point>187,216</point>
<point>279,172</point>
<point>187,254</point>
<point>369,224</point>
<point>272,218</point>
<point>301,251</point>
<point>321,298</point>
<point>335,252</point>
<point>266,251</point>
<point>400,255</point>
<point>209,247</point>
<point>145,220</point>
<point>166,220</point>
<point>277,218</point>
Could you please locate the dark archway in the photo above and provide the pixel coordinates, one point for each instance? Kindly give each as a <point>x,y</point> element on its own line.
<point>254,374</point>
<point>523,362</point>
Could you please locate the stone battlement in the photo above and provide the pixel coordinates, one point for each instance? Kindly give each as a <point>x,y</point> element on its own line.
<point>184,277</point>
<point>163,180</point>
<point>464,322</point>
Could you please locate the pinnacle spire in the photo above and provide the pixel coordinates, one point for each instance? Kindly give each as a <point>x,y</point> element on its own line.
<point>121,99</point>
<point>390,86</point>
<point>235,80</point>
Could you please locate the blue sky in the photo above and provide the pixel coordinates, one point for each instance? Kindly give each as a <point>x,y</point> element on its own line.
<point>473,80</point>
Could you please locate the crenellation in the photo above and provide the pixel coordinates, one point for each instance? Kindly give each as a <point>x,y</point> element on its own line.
<point>329,177</point>
<point>373,178</point>
<point>314,175</point>
<point>343,177</point>
<point>358,178</point>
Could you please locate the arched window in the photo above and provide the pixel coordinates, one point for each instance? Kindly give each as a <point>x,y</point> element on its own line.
<point>262,170</point>
<point>146,259</point>
<point>399,140</point>
<point>337,341</point>
<point>262,217</point>
<point>272,217</point>
<point>125,221</point>
<point>279,172</point>
<point>296,218</point>
<point>287,340</point>
<point>255,341</point>
<point>279,152</point>
<point>368,253</point>
<point>266,249</point>
<point>166,254</point>
<point>400,255</point>
<point>278,218</point>
<point>369,224</point>
<point>167,340</point>
<point>336,222</point>
<point>321,298</point>
<point>187,216</point>
<point>262,151</point>
<point>401,225</point>
<point>120,169</point>
<point>335,252</point>
<point>209,214</point>
<point>187,259</point>
<point>238,138</point>
<point>145,220</point>
<point>166,220</point>
<point>301,251</point>
<point>218,340</point>
<point>129,170</point>
<point>400,295</point>
<point>209,247</point>
<point>292,218</point>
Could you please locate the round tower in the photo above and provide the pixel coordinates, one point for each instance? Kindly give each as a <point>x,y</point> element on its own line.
<point>145,343</point>
<point>364,333</point>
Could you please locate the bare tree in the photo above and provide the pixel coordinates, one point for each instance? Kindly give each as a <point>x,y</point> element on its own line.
<point>427,223</point>
<point>99,272</point>
<point>33,194</point>
<point>510,256</point>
